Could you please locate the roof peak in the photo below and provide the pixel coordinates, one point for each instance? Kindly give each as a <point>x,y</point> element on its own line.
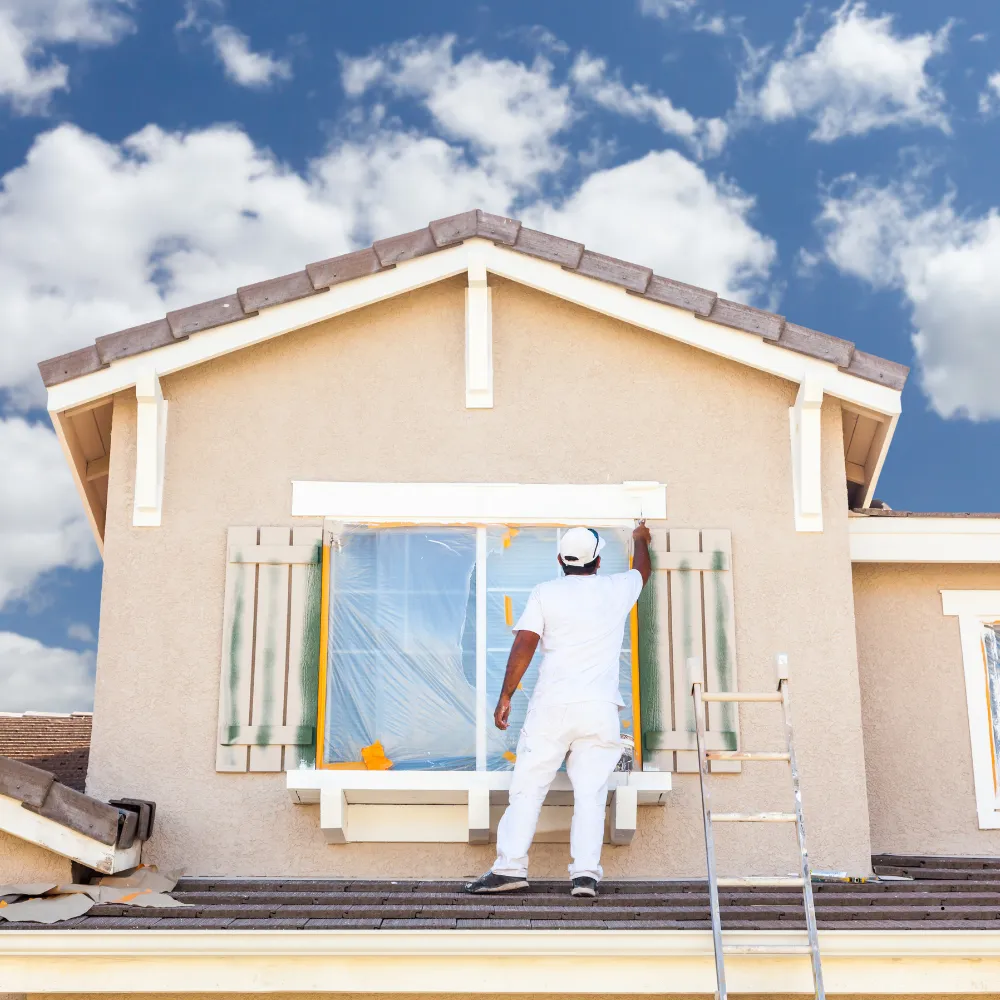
<point>504,231</point>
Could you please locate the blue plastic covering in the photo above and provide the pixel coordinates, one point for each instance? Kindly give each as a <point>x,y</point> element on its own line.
<point>401,660</point>
<point>401,656</point>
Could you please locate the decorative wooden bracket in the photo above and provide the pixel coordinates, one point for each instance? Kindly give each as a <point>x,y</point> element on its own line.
<point>806,428</point>
<point>478,337</point>
<point>150,451</point>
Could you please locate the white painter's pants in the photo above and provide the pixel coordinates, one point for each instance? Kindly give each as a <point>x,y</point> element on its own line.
<point>590,732</point>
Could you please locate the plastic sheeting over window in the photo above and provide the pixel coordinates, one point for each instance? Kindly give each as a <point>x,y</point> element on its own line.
<point>401,664</point>
<point>991,647</point>
<point>401,655</point>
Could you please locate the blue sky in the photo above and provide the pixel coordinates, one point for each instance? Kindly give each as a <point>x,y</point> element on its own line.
<point>836,164</point>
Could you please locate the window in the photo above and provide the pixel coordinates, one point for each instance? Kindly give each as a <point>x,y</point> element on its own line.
<point>978,614</point>
<point>418,633</point>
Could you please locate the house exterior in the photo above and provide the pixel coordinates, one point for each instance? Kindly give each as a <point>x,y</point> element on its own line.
<point>320,501</point>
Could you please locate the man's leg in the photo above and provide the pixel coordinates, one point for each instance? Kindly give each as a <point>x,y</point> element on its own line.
<point>593,756</point>
<point>540,752</point>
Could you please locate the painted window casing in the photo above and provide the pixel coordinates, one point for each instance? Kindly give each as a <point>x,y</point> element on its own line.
<point>978,613</point>
<point>416,646</point>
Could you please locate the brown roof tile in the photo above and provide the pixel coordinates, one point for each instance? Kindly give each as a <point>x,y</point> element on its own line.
<point>275,291</point>
<point>72,365</point>
<point>399,248</point>
<point>944,894</point>
<point>205,315</point>
<point>134,340</point>
<point>446,232</point>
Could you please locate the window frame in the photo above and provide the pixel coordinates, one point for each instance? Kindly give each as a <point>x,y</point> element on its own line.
<point>976,609</point>
<point>333,526</point>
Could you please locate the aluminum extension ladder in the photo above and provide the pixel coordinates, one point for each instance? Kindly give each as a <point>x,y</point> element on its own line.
<point>704,756</point>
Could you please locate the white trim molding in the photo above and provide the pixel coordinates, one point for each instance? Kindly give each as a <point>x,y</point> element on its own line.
<point>480,503</point>
<point>805,422</point>
<point>924,539</point>
<point>974,608</point>
<point>478,337</point>
<point>455,806</point>
<point>150,451</point>
<point>535,962</point>
<point>29,826</point>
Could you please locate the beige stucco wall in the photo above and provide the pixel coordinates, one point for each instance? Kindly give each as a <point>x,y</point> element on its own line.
<point>916,723</point>
<point>24,862</point>
<point>457,996</point>
<point>379,395</point>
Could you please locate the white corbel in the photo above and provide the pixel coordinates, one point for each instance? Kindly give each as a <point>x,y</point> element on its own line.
<point>478,337</point>
<point>150,451</point>
<point>807,487</point>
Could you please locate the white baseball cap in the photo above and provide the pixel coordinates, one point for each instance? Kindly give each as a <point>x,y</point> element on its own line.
<point>579,546</point>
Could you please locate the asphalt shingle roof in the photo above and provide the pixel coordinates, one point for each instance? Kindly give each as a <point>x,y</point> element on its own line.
<point>946,894</point>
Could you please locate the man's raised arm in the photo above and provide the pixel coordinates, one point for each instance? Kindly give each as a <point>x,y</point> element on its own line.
<point>640,551</point>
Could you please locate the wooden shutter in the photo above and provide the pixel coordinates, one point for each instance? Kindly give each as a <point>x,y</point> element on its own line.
<point>270,650</point>
<point>687,611</point>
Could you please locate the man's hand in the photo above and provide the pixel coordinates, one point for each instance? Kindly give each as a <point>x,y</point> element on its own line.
<point>501,716</point>
<point>640,551</point>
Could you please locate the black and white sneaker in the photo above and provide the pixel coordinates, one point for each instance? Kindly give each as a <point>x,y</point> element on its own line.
<point>491,882</point>
<point>584,885</point>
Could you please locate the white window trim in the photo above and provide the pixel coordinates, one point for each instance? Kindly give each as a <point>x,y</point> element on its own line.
<point>481,503</point>
<point>973,608</point>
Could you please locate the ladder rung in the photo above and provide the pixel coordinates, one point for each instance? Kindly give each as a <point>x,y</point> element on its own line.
<point>766,949</point>
<point>741,696</point>
<point>747,755</point>
<point>752,817</point>
<point>731,882</point>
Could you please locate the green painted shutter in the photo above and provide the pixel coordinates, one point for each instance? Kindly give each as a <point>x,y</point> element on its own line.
<point>270,649</point>
<point>687,610</point>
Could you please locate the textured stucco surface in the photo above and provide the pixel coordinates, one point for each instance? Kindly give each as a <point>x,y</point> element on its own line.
<point>379,395</point>
<point>916,721</point>
<point>24,862</point>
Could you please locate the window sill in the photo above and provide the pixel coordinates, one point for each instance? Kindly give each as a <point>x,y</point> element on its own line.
<point>455,806</point>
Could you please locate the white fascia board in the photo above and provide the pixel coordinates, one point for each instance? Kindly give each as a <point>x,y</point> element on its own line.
<point>270,323</point>
<point>924,539</point>
<point>681,325</point>
<point>480,503</point>
<point>591,293</point>
<point>652,962</point>
<point>29,826</point>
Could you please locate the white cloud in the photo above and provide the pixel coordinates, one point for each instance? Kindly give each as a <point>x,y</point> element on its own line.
<point>509,113</point>
<point>664,8</point>
<point>257,70</point>
<point>979,36</point>
<point>662,210</point>
<point>989,99</point>
<point>82,632</point>
<point>37,678</point>
<point>860,75</point>
<point>945,265</point>
<point>42,523</point>
<point>29,75</point>
<point>706,136</point>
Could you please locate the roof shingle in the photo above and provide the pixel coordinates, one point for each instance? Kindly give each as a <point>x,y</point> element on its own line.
<point>319,276</point>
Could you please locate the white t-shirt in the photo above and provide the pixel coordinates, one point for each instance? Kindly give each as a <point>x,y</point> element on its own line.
<point>581,621</point>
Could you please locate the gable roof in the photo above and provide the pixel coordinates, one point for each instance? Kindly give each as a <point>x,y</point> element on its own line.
<point>639,280</point>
